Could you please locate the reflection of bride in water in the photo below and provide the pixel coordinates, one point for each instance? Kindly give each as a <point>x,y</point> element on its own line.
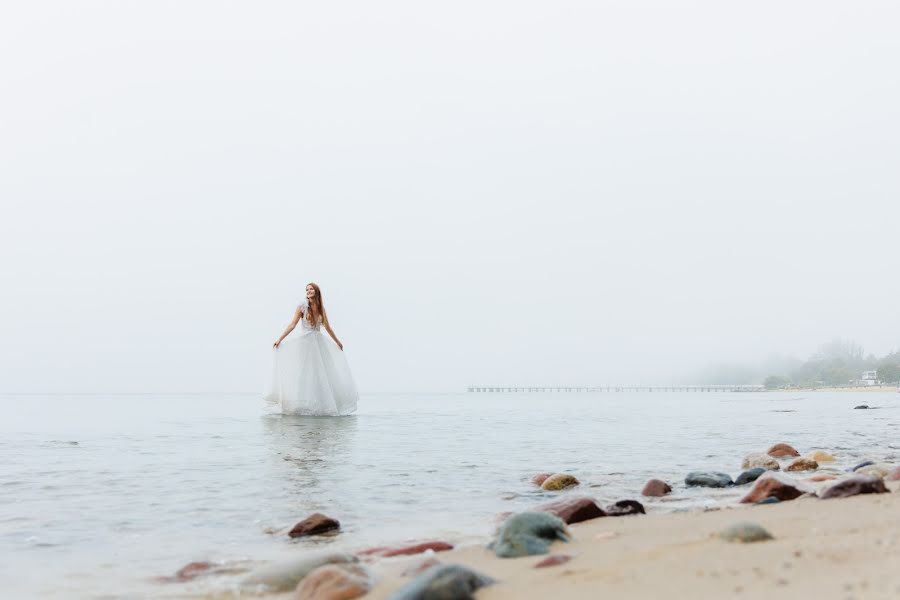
<point>310,374</point>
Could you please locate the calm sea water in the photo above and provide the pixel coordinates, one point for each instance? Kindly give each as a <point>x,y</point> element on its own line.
<point>100,495</point>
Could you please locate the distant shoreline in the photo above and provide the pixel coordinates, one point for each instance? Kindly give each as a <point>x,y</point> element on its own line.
<point>867,388</point>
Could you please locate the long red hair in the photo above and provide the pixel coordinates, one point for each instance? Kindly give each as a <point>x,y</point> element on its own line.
<point>316,310</point>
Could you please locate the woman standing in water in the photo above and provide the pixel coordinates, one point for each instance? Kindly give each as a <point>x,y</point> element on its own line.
<point>311,375</point>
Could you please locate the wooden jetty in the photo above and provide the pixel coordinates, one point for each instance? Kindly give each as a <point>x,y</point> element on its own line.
<point>619,388</point>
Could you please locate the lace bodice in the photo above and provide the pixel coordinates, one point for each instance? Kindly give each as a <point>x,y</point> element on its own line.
<point>305,324</point>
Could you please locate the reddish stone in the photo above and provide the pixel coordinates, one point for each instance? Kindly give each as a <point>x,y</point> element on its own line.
<point>573,510</point>
<point>858,484</point>
<point>407,550</point>
<point>802,464</point>
<point>192,570</point>
<point>315,524</point>
<point>823,477</point>
<point>334,582</point>
<point>775,485</point>
<point>782,451</point>
<point>893,475</point>
<point>552,561</point>
<point>540,478</point>
<point>625,507</point>
<point>656,487</point>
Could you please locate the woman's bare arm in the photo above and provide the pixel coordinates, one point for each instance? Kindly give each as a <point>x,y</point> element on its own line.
<point>331,333</point>
<point>298,314</point>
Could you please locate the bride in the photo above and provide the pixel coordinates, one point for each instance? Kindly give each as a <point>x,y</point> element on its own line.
<point>311,375</point>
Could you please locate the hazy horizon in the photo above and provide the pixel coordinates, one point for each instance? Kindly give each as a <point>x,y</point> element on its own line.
<point>489,193</point>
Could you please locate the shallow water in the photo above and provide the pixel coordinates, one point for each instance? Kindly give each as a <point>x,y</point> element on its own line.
<point>100,495</point>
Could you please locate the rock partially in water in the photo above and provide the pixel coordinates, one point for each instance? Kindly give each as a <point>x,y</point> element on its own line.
<point>852,486</point>
<point>559,481</point>
<point>802,464</point>
<point>864,463</point>
<point>193,570</point>
<point>552,561</point>
<point>540,478</point>
<point>625,507</point>
<point>573,510</point>
<point>776,485</point>
<point>861,407</point>
<point>711,479</point>
<point>283,577</point>
<point>315,524</point>
<point>820,456</point>
<point>656,488</point>
<point>334,582</point>
<point>893,474</point>
<point>407,549</point>
<point>879,470</point>
<point>443,582</point>
<point>750,475</point>
<point>760,460</point>
<point>745,532</point>
<point>782,451</point>
<point>528,533</point>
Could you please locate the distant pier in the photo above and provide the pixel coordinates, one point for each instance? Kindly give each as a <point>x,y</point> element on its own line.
<point>620,388</point>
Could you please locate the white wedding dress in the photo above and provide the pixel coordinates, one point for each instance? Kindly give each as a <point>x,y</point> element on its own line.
<point>310,374</point>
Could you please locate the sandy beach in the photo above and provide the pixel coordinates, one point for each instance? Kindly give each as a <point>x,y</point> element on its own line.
<point>839,548</point>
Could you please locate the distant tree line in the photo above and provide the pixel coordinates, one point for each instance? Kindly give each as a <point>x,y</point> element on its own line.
<point>837,363</point>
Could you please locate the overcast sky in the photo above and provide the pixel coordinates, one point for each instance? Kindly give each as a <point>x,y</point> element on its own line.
<point>487,192</point>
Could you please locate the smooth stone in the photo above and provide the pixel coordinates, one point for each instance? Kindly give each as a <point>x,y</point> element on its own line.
<point>802,464</point>
<point>559,481</point>
<point>528,533</point>
<point>852,486</point>
<point>540,478</point>
<point>573,510</point>
<point>864,463</point>
<point>552,561</point>
<point>820,456</point>
<point>283,577</point>
<point>443,582</point>
<point>782,451</point>
<point>334,582</point>
<point>710,479</point>
<point>755,461</point>
<point>656,488</point>
<point>625,507</point>
<point>746,533</point>
<point>861,407</point>
<point>777,485</point>
<point>407,549</point>
<point>876,470</point>
<point>894,474</point>
<point>750,475</point>
<point>315,524</point>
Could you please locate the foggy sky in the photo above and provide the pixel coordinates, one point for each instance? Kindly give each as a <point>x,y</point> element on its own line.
<point>488,192</point>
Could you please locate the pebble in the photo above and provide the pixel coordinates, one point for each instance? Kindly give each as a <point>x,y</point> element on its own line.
<point>745,532</point>
<point>443,582</point>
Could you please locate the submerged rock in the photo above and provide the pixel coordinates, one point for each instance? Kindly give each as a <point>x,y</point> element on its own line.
<point>893,474</point>
<point>552,561</point>
<point>710,479</point>
<point>559,481</point>
<point>852,486</point>
<point>776,485</point>
<point>655,488</point>
<point>540,478</point>
<point>760,460</point>
<point>625,507</point>
<point>802,464</point>
<point>861,407</point>
<point>573,510</point>
<point>407,549</point>
<point>283,577</point>
<point>528,533</point>
<point>745,532</point>
<point>820,456</point>
<point>443,582</point>
<point>334,582</point>
<point>750,475</point>
<point>880,470</point>
<point>315,524</point>
<point>864,463</point>
<point>782,451</point>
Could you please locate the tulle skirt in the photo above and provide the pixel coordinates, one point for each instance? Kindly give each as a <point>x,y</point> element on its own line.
<point>311,376</point>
